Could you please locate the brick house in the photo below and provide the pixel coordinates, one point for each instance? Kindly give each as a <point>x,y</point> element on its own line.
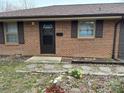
<point>88,30</point>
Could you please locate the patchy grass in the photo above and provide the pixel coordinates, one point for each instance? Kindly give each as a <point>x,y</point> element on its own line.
<point>20,82</point>
<point>13,82</point>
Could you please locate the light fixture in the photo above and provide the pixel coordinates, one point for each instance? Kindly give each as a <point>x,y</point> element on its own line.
<point>32,23</point>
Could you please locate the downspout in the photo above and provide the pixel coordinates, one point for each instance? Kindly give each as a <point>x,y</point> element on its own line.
<point>115,37</point>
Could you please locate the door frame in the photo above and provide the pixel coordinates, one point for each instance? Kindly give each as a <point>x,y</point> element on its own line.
<point>41,36</point>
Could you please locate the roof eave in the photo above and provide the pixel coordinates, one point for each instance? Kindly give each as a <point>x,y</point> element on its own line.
<point>115,15</point>
<point>59,16</point>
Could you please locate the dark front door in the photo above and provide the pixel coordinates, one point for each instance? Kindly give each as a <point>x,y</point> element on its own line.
<point>47,37</point>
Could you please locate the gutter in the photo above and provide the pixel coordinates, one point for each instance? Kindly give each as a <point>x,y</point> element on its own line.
<point>115,37</point>
<point>58,16</point>
<point>64,18</point>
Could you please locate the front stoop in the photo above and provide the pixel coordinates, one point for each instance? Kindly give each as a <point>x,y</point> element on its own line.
<point>40,59</point>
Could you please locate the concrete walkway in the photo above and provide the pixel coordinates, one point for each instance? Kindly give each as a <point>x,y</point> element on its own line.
<point>91,69</point>
<point>104,70</point>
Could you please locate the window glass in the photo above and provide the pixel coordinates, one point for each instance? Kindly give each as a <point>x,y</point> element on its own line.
<point>47,26</point>
<point>86,29</point>
<point>11,32</point>
<point>11,38</point>
<point>11,27</point>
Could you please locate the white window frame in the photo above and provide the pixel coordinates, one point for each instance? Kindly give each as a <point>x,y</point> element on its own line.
<point>7,33</point>
<point>93,30</point>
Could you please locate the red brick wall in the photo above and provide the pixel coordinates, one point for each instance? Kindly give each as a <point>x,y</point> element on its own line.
<point>97,47</point>
<point>31,46</point>
<point>65,46</point>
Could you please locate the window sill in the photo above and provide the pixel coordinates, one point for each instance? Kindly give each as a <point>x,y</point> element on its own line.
<point>12,44</point>
<point>86,37</point>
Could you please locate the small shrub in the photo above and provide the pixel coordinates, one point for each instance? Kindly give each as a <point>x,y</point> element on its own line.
<point>54,89</point>
<point>77,73</point>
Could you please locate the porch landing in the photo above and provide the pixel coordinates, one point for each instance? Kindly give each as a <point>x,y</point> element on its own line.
<point>43,59</point>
